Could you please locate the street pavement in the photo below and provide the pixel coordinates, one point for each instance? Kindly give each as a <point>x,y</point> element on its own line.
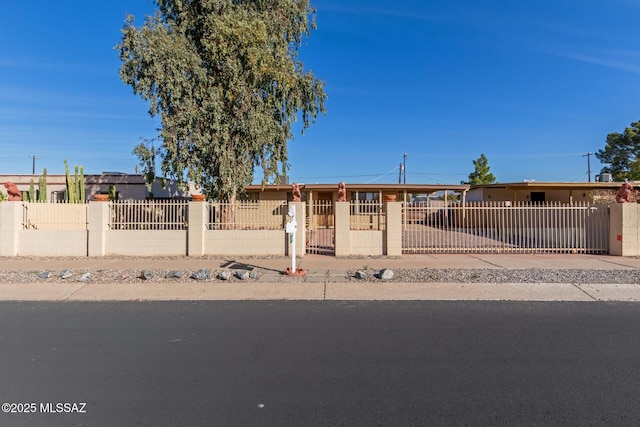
<point>325,279</point>
<point>320,363</point>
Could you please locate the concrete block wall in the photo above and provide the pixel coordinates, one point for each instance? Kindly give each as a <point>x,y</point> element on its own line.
<point>98,240</point>
<point>366,243</point>
<point>49,242</point>
<point>146,242</point>
<point>624,229</point>
<point>342,228</point>
<point>393,236</point>
<point>10,226</point>
<point>197,228</point>
<point>244,242</point>
<point>98,222</point>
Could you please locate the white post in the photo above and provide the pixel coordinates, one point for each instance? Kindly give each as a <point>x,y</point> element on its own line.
<point>291,228</point>
<point>293,252</point>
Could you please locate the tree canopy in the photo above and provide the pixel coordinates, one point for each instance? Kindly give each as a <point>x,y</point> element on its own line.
<point>622,154</point>
<point>225,79</point>
<point>481,174</point>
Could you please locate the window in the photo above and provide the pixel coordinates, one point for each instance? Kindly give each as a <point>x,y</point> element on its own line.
<point>537,196</point>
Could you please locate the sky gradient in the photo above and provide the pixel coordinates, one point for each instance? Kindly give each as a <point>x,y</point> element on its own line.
<point>533,85</point>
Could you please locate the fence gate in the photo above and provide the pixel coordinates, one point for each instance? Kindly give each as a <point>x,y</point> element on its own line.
<point>320,228</point>
<point>506,228</point>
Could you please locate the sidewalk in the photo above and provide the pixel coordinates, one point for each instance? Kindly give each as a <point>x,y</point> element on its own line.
<point>324,280</point>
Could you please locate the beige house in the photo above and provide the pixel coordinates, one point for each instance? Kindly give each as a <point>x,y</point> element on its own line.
<point>563,192</point>
<point>363,192</point>
<point>132,187</point>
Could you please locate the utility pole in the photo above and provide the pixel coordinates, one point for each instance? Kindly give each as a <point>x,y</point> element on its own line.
<point>404,167</point>
<point>400,174</point>
<point>588,156</point>
<point>33,164</point>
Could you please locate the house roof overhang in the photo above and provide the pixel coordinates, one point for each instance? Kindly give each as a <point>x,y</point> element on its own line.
<point>581,186</point>
<point>394,188</point>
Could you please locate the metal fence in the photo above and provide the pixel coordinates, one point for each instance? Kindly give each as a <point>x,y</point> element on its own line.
<point>148,215</point>
<point>366,215</point>
<point>505,227</point>
<point>48,216</point>
<point>247,215</point>
<point>320,223</point>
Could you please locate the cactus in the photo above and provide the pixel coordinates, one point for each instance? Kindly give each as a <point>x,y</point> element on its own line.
<point>75,185</point>
<point>42,187</point>
<point>32,191</point>
<point>113,192</point>
<point>81,183</point>
<point>69,191</point>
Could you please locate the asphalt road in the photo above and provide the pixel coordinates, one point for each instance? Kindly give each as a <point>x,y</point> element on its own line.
<point>320,363</point>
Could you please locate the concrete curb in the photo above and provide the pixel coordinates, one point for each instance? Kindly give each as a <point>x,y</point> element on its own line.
<point>378,291</point>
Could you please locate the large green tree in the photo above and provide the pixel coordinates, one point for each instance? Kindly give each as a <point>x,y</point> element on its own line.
<point>225,79</point>
<point>481,174</point>
<point>622,154</point>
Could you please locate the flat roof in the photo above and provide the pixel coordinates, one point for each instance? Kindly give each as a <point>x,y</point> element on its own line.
<point>409,188</point>
<point>555,185</point>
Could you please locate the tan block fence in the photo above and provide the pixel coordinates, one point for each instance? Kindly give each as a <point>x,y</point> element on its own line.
<point>138,228</point>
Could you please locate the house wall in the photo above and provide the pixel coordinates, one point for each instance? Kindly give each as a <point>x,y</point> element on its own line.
<point>490,194</point>
<point>273,195</point>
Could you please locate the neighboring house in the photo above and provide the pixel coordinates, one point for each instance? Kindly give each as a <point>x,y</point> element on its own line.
<point>128,187</point>
<point>368,192</point>
<point>564,192</point>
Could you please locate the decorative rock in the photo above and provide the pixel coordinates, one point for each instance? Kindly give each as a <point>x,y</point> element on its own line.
<point>360,275</point>
<point>224,275</point>
<point>174,274</point>
<point>201,274</point>
<point>255,274</point>
<point>44,275</point>
<point>385,274</point>
<point>242,274</point>
<point>84,278</point>
<point>65,274</point>
<point>146,275</point>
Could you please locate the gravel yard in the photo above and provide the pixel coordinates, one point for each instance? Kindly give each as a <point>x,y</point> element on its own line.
<point>426,275</point>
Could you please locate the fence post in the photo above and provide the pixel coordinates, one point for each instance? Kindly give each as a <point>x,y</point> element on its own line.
<point>10,225</point>
<point>98,224</point>
<point>624,229</point>
<point>342,228</point>
<point>197,224</point>
<point>393,229</point>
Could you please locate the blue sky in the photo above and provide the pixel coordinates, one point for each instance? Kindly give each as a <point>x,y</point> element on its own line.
<point>532,85</point>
